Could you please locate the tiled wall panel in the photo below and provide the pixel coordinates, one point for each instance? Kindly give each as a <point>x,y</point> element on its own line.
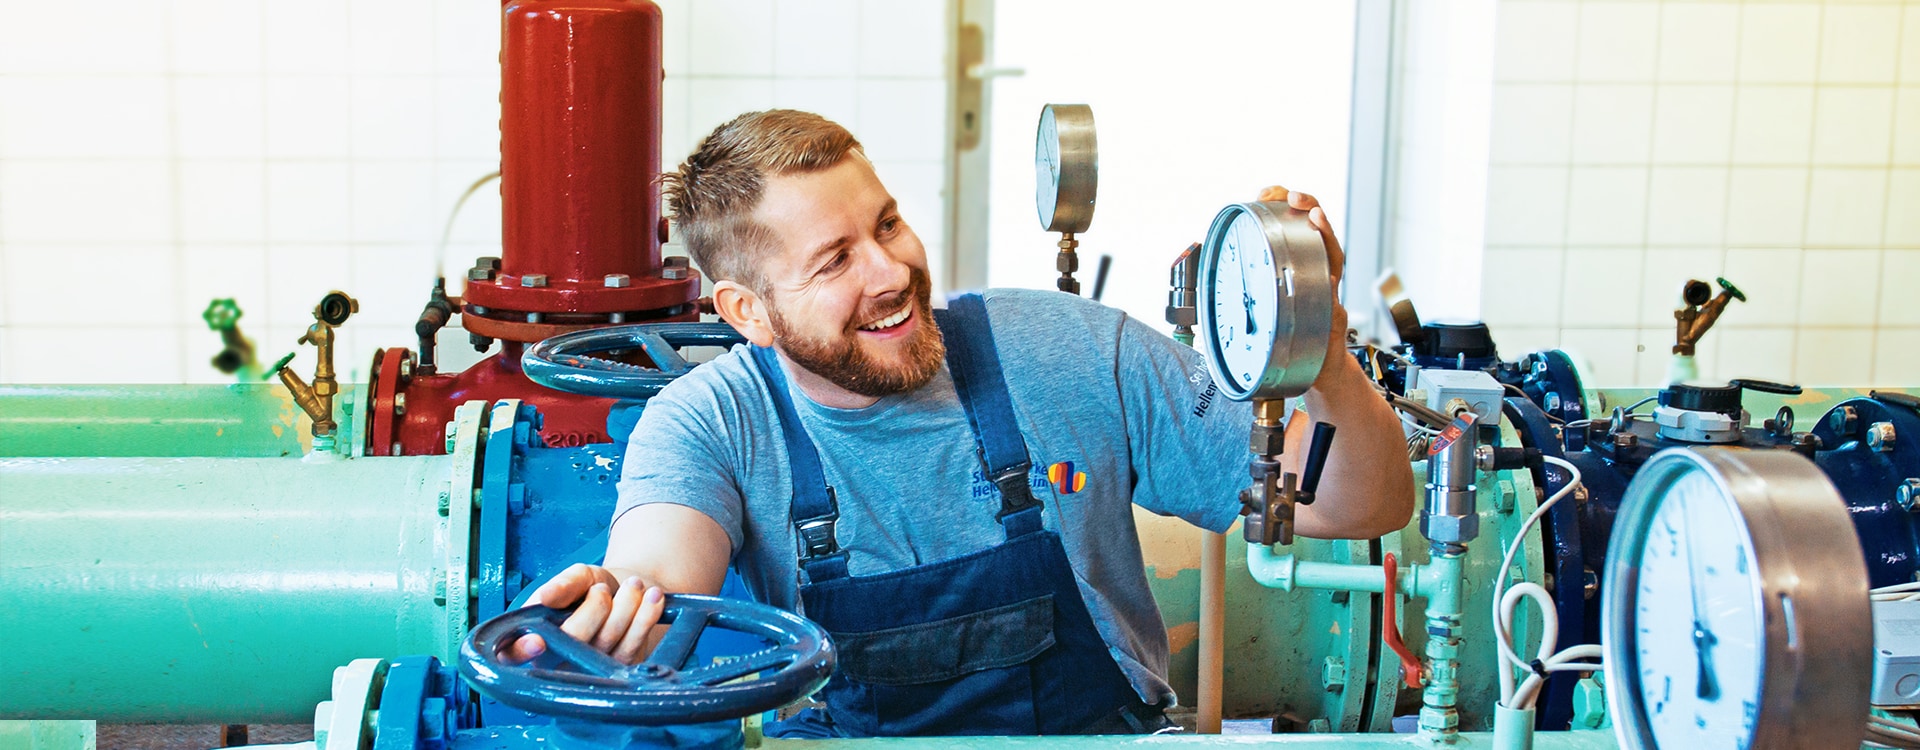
<point>164,153</point>
<point>1639,144</point>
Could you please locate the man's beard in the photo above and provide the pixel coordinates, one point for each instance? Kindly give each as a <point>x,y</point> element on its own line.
<point>842,361</point>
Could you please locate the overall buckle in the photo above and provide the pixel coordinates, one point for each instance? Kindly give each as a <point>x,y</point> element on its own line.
<point>1015,493</point>
<point>816,534</point>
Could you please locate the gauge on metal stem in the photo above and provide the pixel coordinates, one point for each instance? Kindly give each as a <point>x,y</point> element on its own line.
<point>1266,301</point>
<point>1736,606</point>
<point>1066,165</point>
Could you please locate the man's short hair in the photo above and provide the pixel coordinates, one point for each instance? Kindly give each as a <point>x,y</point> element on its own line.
<point>711,197</point>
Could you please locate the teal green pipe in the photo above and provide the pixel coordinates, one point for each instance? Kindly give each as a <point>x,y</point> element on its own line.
<point>217,590</point>
<point>1441,582</point>
<point>1285,572</point>
<point>46,735</point>
<point>1440,700</point>
<point>255,419</point>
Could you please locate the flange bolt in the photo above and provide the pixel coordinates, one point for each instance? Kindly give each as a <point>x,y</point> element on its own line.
<point>1880,437</point>
<point>618,281</point>
<point>1843,420</point>
<point>1908,493</point>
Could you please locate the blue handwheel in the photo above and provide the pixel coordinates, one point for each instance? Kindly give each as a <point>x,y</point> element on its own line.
<point>575,680</point>
<point>567,362</point>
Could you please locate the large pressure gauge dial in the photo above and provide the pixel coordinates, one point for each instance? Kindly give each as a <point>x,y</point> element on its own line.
<point>1066,166</point>
<point>1266,301</point>
<point>1736,606</point>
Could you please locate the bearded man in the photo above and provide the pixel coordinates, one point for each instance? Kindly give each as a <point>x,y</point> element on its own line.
<point>949,495</point>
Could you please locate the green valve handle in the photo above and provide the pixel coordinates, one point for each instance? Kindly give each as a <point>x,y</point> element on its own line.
<point>221,314</point>
<point>1731,289</point>
<point>278,366</point>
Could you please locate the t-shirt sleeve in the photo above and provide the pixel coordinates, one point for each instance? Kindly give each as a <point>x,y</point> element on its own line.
<point>1187,439</point>
<point>678,455</point>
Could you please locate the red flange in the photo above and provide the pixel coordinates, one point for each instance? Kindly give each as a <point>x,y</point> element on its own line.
<point>410,414</point>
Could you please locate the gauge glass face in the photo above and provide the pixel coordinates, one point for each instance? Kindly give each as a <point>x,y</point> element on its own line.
<point>1246,304</point>
<point>1697,633</point>
<point>1046,166</point>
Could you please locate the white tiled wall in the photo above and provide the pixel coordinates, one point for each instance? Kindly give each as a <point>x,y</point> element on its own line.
<point>155,154</point>
<point>1639,144</point>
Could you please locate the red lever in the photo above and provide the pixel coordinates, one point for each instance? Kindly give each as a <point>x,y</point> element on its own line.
<point>1410,667</point>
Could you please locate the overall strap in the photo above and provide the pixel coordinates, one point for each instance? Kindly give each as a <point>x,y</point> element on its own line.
<point>975,363</point>
<point>814,509</point>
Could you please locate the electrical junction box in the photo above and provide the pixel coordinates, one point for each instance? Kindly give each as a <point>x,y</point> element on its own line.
<point>1445,390</point>
<point>1896,653</point>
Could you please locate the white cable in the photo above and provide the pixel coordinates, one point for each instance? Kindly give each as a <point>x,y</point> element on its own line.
<point>1897,588</point>
<point>1408,421</point>
<point>1894,726</point>
<point>1565,661</point>
<point>1503,632</point>
<point>1879,734</point>
<point>1503,619</point>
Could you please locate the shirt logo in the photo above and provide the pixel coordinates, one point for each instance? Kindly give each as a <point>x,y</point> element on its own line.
<point>1064,479</point>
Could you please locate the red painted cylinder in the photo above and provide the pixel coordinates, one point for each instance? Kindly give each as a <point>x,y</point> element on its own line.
<point>579,161</point>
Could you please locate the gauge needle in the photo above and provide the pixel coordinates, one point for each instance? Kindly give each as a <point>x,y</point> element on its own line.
<point>1703,639</point>
<point>1246,297</point>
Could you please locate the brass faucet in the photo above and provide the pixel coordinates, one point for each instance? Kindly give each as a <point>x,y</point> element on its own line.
<point>317,399</point>
<point>1699,308</point>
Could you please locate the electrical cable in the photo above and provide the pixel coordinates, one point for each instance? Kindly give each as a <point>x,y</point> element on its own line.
<point>1893,727</point>
<point>1505,602</point>
<point>1892,734</point>
<point>1409,421</point>
<point>446,233</point>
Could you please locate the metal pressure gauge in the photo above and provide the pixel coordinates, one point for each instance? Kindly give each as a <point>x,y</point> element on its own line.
<point>1266,301</point>
<point>1736,606</point>
<point>1066,166</point>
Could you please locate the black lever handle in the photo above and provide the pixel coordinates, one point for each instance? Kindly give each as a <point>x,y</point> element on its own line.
<point>1765,386</point>
<point>1316,461</point>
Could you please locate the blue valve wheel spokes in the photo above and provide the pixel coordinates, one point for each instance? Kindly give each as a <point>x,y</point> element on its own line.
<point>575,680</point>
<point>570,361</point>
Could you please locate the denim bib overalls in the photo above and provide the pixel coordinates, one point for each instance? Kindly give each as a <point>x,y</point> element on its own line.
<point>997,641</point>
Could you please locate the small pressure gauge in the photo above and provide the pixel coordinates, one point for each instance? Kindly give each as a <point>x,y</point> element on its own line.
<point>1066,166</point>
<point>1265,301</point>
<point>1736,606</point>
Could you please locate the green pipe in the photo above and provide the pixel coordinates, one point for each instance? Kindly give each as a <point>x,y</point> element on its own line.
<point>254,419</point>
<point>1285,572</point>
<point>216,590</point>
<point>1439,709</point>
<point>46,735</point>
<point>1441,582</point>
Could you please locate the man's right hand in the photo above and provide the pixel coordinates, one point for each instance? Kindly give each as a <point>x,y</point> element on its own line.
<point>615,617</point>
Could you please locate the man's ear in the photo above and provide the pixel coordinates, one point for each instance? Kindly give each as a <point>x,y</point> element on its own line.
<point>744,310</point>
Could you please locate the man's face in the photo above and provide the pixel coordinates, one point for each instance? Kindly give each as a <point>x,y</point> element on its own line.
<point>847,291</point>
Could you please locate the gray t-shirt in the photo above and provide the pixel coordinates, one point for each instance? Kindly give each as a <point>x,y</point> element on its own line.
<point>1095,394</point>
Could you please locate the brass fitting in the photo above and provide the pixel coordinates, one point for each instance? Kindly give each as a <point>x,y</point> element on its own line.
<point>1067,262</point>
<point>1699,308</point>
<point>317,399</point>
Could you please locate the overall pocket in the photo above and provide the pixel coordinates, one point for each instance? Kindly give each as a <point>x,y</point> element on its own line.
<point>966,674</point>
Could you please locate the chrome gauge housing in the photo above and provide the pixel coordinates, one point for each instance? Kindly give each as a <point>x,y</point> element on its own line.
<point>1736,609</point>
<point>1266,301</point>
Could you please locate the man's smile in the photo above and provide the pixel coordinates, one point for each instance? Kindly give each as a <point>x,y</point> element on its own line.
<point>890,325</point>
